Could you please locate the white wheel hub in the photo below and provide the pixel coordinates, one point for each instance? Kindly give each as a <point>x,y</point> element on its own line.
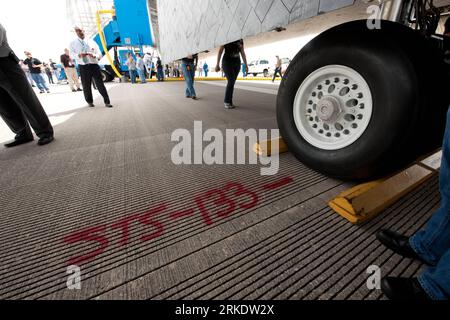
<point>333,107</point>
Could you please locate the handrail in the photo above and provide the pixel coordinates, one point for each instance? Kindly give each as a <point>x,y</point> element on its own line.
<point>103,40</point>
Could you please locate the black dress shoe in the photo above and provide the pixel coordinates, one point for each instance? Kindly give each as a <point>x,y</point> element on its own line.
<point>18,142</point>
<point>79,90</point>
<point>91,105</point>
<point>398,243</point>
<point>403,289</point>
<point>45,140</point>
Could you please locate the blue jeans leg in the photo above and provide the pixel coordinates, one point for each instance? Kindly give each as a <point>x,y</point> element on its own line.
<point>30,79</point>
<point>189,79</point>
<point>36,80</point>
<point>142,75</point>
<point>133,76</point>
<point>193,79</point>
<point>40,82</point>
<point>433,243</point>
<point>436,280</point>
<point>160,74</point>
<point>44,84</point>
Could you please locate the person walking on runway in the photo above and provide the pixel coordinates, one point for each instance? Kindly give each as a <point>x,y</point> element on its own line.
<point>19,105</point>
<point>188,65</point>
<point>87,55</point>
<point>278,68</point>
<point>231,66</point>
<point>35,65</point>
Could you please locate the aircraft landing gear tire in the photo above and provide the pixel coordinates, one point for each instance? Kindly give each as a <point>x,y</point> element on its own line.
<point>357,103</point>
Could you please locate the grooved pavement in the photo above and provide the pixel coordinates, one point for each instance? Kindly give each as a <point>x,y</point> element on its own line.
<point>106,196</point>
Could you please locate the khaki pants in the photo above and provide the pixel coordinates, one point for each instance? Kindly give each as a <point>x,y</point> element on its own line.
<point>72,76</point>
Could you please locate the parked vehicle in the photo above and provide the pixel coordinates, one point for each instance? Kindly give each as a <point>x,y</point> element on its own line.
<point>260,67</point>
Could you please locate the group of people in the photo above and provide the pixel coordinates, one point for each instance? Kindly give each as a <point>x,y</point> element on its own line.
<point>203,70</point>
<point>230,65</point>
<point>136,67</point>
<point>143,67</point>
<point>229,62</point>
<point>34,69</point>
<point>19,106</point>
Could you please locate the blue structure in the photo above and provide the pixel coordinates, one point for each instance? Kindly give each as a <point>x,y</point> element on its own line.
<point>130,27</point>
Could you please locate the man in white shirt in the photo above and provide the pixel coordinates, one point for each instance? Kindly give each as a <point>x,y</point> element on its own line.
<point>148,60</point>
<point>19,105</point>
<point>87,56</point>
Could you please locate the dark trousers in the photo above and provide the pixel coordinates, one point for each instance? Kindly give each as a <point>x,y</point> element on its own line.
<point>88,73</point>
<point>50,78</point>
<point>231,70</point>
<point>160,74</point>
<point>277,71</point>
<point>19,104</point>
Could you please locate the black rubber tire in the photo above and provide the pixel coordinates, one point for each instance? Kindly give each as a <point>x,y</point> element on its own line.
<point>407,82</point>
<point>106,76</point>
<point>266,73</point>
<point>255,74</point>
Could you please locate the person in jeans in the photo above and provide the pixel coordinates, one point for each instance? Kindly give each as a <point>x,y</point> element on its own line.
<point>140,65</point>
<point>71,72</point>
<point>231,66</point>
<point>87,55</point>
<point>19,105</point>
<point>277,69</point>
<point>430,246</point>
<point>206,69</point>
<point>188,65</point>
<point>35,65</point>
<point>132,69</point>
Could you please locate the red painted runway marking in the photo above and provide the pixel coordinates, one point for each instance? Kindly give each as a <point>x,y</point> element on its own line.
<point>213,205</point>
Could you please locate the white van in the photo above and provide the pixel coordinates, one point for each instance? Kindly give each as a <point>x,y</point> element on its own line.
<point>260,67</point>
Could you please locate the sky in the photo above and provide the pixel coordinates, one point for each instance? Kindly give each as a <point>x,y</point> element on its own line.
<point>38,26</point>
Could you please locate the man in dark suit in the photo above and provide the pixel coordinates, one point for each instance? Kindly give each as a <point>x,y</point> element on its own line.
<point>19,105</point>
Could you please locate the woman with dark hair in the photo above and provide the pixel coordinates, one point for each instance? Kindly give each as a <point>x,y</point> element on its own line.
<point>231,66</point>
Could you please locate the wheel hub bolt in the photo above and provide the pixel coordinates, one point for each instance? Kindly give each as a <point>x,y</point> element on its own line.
<point>328,109</point>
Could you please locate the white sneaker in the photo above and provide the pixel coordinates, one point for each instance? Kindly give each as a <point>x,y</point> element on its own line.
<point>229,106</point>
